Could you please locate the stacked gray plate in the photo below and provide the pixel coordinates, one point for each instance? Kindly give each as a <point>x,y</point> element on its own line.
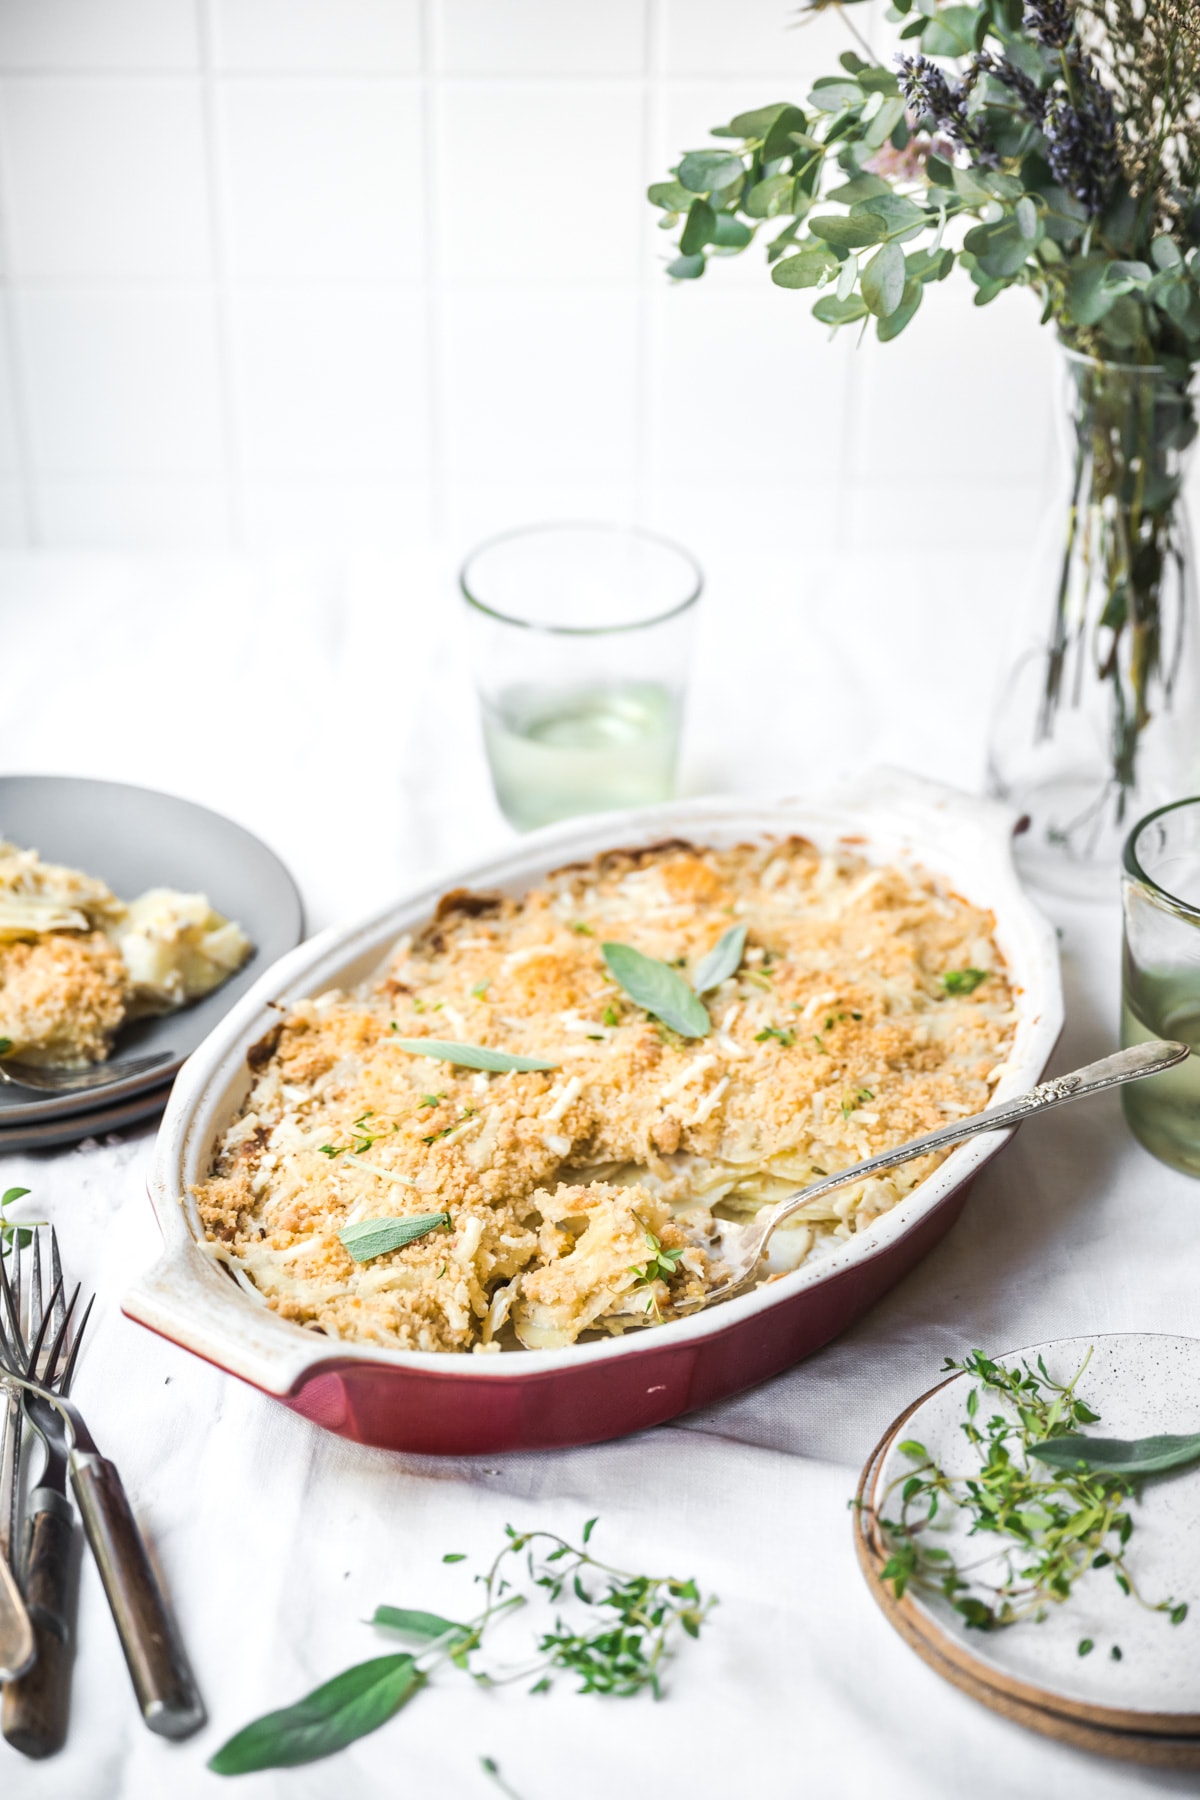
<point>134,839</point>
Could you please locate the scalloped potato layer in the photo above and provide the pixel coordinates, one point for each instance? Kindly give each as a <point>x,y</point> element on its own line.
<point>870,1006</point>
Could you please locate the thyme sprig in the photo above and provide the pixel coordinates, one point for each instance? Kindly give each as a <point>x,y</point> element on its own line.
<point>617,1645</point>
<point>12,1235</point>
<point>1052,1528</point>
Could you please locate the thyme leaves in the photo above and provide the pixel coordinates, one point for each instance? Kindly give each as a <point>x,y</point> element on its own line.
<point>616,1632</point>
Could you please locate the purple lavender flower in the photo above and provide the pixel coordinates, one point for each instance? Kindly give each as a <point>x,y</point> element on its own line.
<point>1052,22</point>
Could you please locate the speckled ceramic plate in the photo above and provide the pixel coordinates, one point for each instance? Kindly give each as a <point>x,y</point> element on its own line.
<point>1140,1384</point>
<point>134,839</point>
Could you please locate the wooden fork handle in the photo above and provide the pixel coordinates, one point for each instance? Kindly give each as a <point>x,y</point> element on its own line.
<point>36,1707</point>
<point>158,1665</point>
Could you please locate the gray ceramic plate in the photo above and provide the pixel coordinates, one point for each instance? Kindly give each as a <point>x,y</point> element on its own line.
<point>52,1134</point>
<point>134,838</point>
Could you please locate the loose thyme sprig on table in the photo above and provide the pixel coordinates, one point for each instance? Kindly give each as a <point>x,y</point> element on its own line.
<point>1056,1525</point>
<point>617,1646</point>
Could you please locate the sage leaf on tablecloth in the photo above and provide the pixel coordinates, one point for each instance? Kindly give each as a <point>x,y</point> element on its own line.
<point>658,988</point>
<point>416,1623</point>
<point>356,1702</point>
<point>474,1056</point>
<point>722,961</point>
<point>1130,1457</point>
<point>375,1237</point>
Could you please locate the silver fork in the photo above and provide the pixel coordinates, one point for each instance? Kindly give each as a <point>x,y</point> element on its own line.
<point>36,1706</point>
<point>158,1666</point>
<point>76,1081</point>
<point>17,1646</point>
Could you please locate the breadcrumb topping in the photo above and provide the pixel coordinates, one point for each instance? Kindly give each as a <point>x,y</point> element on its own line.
<point>871,1005</point>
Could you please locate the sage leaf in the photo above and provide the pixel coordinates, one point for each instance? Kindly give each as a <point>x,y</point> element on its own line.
<point>473,1056</point>
<point>1120,1456</point>
<point>416,1623</point>
<point>883,280</point>
<point>356,1702</point>
<point>375,1237</point>
<point>659,989</point>
<point>722,961</point>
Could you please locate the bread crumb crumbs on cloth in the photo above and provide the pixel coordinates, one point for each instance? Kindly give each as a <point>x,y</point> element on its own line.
<point>836,1039</point>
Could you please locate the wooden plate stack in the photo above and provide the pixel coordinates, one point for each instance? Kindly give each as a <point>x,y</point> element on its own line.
<point>1073,1702</point>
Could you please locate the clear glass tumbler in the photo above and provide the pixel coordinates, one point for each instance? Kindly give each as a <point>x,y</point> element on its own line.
<point>581,637</point>
<point>1160,985</point>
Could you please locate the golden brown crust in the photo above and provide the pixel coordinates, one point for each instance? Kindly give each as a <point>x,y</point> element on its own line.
<point>62,997</point>
<point>836,1038</point>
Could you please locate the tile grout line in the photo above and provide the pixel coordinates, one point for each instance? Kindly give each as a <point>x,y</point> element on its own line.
<point>643,417</point>
<point>12,349</point>
<point>218,286</point>
<point>434,338</point>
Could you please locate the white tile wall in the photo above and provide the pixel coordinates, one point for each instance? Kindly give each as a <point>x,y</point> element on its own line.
<point>334,273</point>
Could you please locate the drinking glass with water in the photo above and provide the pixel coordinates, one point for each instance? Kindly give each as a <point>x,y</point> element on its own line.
<point>581,639</point>
<point>1160,987</point>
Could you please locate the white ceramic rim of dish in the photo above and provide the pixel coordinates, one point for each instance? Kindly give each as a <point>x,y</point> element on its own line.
<point>189,1297</point>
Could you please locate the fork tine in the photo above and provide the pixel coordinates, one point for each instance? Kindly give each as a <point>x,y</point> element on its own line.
<point>43,1368</point>
<point>34,1310</point>
<point>64,1384</point>
<point>33,1351</point>
<point>12,1307</point>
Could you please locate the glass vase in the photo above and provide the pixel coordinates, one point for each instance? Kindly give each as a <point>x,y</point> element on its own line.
<point>1098,720</point>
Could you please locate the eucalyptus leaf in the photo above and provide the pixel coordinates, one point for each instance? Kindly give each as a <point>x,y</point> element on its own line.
<point>658,988</point>
<point>833,92</point>
<point>885,122</point>
<point>847,276</point>
<point>895,211</point>
<point>890,327</point>
<point>832,311</point>
<point>672,196</point>
<point>729,233</point>
<point>756,124</point>
<point>1131,1457</point>
<point>686,268</point>
<point>698,229</point>
<point>722,961</point>
<point>806,269</point>
<point>473,1056</point>
<point>368,1238</point>
<point>768,198</point>
<point>883,280</point>
<point>861,187</point>
<point>852,233</point>
<point>1027,216</point>
<point>778,140</point>
<point>415,1623</point>
<point>953,32</point>
<point>706,171</point>
<point>354,1703</point>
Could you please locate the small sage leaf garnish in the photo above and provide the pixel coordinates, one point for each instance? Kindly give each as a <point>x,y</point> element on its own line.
<point>722,961</point>
<point>375,1237</point>
<point>5,1046</point>
<point>414,1622</point>
<point>659,989</point>
<point>1130,1457</point>
<point>358,1701</point>
<point>474,1056</point>
<point>963,981</point>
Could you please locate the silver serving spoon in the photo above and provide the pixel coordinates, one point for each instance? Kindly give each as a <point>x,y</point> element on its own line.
<point>76,1081</point>
<point>742,1247</point>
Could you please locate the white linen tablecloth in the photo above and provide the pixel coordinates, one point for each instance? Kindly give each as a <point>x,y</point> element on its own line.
<point>328,711</point>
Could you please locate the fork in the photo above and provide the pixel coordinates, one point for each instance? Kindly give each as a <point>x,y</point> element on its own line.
<point>33,1717</point>
<point>158,1666</point>
<point>76,1081</point>
<point>17,1646</point>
